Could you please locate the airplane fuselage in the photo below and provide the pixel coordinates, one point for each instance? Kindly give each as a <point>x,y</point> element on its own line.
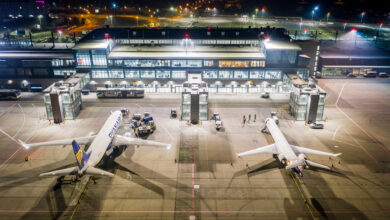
<point>103,139</point>
<point>281,144</point>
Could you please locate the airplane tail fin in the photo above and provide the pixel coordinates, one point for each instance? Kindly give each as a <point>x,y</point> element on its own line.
<point>81,156</point>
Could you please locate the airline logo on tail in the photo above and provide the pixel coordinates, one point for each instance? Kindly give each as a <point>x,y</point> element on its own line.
<point>81,156</point>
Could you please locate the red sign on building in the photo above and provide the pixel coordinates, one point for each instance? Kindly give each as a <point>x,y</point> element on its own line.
<point>80,61</point>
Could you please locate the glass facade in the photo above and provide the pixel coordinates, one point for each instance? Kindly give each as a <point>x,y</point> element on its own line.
<point>147,74</point>
<point>83,58</point>
<point>116,73</point>
<point>62,72</point>
<point>132,74</point>
<point>186,63</point>
<point>208,63</point>
<point>233,63</point>
<point>99,74</point>
<point>143,63</point>
<point>163,74</point>
<point>225,74</point>
<point>210,74</point>
<point>179,74</point>
<point>241,74</point>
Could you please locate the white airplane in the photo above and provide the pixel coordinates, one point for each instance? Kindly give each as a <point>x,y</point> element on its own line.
<point>99,144</point>
<point>287,153</point>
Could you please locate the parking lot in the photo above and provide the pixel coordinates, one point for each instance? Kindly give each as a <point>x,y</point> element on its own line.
<point>201,175</point>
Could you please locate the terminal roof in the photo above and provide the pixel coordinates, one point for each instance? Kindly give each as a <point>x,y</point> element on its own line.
<point>192,33</point>
<point>36,54</point>
<point>281,45</point>
<point>102,44</point>
<point>181,52</point>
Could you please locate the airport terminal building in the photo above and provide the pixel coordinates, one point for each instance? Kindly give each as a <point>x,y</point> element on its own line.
<point>159,60</point>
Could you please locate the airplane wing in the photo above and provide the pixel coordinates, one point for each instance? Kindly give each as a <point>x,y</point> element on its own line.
<point>80,140</point>
<point>122,140</point>
<point>269,149</point>
<point>62,172</point>
<point>303,150</point>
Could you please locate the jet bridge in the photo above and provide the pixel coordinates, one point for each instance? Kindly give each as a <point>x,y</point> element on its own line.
<point>194,99</point>
<point>307,100</point>
<point>63,99</point>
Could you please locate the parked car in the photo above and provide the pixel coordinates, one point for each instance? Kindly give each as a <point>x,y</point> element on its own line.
<point>370,74</point>
<point>265,95</point>
<point>317,125</point>
<point>173,113</point>
<point>383,75</point>
<point>351,75</point>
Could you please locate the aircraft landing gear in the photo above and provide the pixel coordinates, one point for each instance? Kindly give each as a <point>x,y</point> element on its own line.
<point>93,179</point>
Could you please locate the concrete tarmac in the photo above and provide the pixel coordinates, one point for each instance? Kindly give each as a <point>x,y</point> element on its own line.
<point>200,177</point>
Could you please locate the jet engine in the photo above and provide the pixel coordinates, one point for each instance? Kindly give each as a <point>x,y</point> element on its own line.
<point>282,159</point>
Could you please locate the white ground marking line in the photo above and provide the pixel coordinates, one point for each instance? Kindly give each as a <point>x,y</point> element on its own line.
<point>169,134</point>
<point>8,110</point>
<point>335,132</point>
<point>341,91</point>
<point>24,121</point>
<point>357,125</point>
<point>17,142</point>
<point>368,154</point>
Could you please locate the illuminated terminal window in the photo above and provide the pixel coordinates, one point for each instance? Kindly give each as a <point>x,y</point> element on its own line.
<point>57,62</point>
<point>210,74</point>
<point>273,74</point>
<point>147,74</point>
<point>257,74</point>
<point>163,74</point>
<point>240,74</point>
<point>99,74</point>
<point>61,72</point>
<point>225,74</point>
<point>132,74</point>
<point>233,63</point>
<point>83,58</point>
<point>116,73</point>
<point>178,74</point>
<point>186,63</point>
<point>146,63</point>
<point>258,63</point>
<point>208,62</point>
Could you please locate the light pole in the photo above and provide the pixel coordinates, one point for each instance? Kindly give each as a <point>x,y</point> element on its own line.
<point>313,12</point>
<point>327,16</point>
<point>262,12</point>
<point>312,16</point>
<point>345,25</point>
<point>362,16</point>
<point>256,10</point>
<point>136,17</point>
<point>380,26</point>
<point>40,19</point>
<point>354,34</point>
<point>300,25</point>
